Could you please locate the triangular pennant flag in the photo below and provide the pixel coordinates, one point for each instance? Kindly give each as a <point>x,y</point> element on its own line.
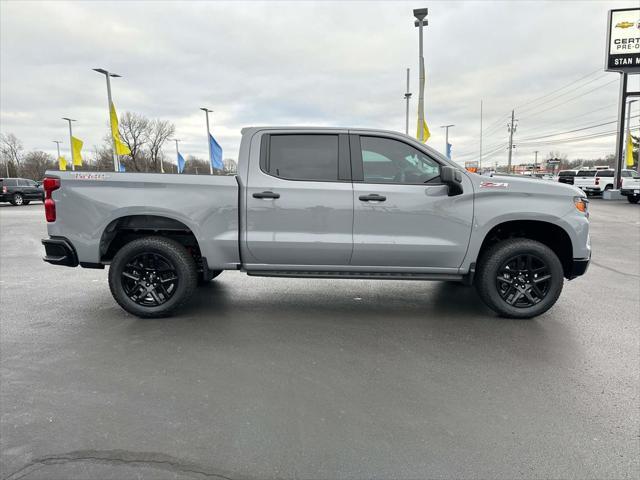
<point>121,147</point>
<point>76,151</point>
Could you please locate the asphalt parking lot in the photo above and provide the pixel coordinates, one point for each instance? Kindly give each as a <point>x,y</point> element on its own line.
<point>281,378</point>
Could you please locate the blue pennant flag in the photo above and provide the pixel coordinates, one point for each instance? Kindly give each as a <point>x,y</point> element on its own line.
<point>449,151</point>
<point>121,168</point>
<point>180,163</point>
<point>216,154</point>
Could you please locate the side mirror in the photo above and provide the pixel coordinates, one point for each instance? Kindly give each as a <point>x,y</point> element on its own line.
<point>452,178</point>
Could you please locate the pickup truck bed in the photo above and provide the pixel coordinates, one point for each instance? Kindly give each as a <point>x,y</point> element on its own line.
<point>321,202</point>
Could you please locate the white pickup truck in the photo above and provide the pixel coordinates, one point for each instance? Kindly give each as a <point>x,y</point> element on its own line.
<point>631,187</point>
<point>594,182</point>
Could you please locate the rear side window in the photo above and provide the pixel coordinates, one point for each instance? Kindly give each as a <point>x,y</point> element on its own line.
<point>9,182</point>
<point>303,157</point>
<point>605,173</point>
<point>586,173</point>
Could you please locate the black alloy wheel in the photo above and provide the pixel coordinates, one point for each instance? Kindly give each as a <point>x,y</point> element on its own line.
<point>150,279</point>
<point>523,280</point>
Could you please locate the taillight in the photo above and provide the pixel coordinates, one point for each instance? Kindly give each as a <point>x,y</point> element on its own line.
<point>4,189</point>
<point>50,184</point>
<point>597,180</point>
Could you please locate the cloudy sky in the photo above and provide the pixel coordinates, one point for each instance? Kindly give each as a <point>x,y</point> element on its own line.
<point>313,63</point>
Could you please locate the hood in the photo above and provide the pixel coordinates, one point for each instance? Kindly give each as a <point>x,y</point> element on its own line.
<point>520,184</point>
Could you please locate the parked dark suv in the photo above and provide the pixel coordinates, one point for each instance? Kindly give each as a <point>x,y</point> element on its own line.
<point>567,176</point>
<point>20,191</point>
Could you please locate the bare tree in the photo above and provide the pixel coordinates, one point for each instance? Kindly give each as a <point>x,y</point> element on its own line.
<point>159,132</point>
<point>134,130</point>
<point>35,164</point>
<point>11,150</point>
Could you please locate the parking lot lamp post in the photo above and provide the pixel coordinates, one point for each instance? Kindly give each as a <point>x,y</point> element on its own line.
<point>206,112</point>
<point>446,142</point>
<point>420,15</point>
<point>407,96</point>
<point>73,167</point>
<point>57,142</point>
<point>108,75</point>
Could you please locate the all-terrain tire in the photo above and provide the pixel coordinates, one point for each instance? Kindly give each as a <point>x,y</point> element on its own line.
<point>632,199</point>
<point>494,259</point>
<point>172,253</point>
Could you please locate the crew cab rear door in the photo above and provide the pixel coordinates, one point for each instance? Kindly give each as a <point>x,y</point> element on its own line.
<point>299,200</point>
<point>403,216</point>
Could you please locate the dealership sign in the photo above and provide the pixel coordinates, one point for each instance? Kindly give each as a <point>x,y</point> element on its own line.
<point>623,41</point>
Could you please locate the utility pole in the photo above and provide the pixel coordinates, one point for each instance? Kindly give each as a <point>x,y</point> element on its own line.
<point>206,112</point>
<point>535,162</point>
<point>480,157</point>
<point>73,167</point>
<point>420,15</point>
<point>407,96</point>
<point>512,128</point>
<point>446,144</point>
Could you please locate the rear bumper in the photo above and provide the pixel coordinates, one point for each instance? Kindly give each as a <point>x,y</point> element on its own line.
<point>629,192</point>
<point>579,267</point>
<point>59,251</point>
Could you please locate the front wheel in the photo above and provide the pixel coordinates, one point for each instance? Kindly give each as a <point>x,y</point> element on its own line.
<point>152,276</point>
<point>519,278</point>
<point>17,200</point>
<point>632,199</point>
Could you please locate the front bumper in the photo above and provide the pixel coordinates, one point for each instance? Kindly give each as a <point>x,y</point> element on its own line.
<point>59,251</point>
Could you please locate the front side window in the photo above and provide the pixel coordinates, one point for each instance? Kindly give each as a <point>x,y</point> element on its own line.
<point>385,160</point>
<point>304,157</point>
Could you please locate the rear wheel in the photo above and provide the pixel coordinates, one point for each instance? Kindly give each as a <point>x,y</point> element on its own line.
<point>519,278</point>
<point>152,276</point>
<point>632,199</point>
<point>17,200</point>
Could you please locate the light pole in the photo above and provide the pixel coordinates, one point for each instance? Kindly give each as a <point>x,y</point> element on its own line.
<point>177,152</point>
<point>108,75</point>
<point>57,142</point>
<point>206,112</point>
<point>73,167</point>
<point>446,144</point>
<point>420,15</point>
<point>407,96</point>
<point>629,133</point>
<point>535,162</point>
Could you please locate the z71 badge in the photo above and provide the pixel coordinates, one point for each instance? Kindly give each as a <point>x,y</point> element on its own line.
<point>494,185</point>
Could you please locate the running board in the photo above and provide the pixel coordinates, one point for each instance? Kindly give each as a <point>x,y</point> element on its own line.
<point>360,275</point>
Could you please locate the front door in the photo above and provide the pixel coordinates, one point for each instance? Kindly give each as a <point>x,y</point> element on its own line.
<point>299,201</point>
<point>403,216</point>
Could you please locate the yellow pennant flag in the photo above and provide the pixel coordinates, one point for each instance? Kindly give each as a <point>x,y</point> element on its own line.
<point>629,153</point>
<point>425,131</point>
<point>121,147</point>
<point>62,163</point>
<point>76,151</point>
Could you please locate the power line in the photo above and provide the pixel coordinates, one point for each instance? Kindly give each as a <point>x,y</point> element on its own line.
<point>574,130</point>
<point>558,89</point>
<point>571,99</point>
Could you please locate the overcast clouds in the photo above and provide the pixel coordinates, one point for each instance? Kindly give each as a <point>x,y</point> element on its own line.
<point>306,63</point>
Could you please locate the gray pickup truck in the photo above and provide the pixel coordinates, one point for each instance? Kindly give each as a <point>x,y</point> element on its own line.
<point>322,203</point>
